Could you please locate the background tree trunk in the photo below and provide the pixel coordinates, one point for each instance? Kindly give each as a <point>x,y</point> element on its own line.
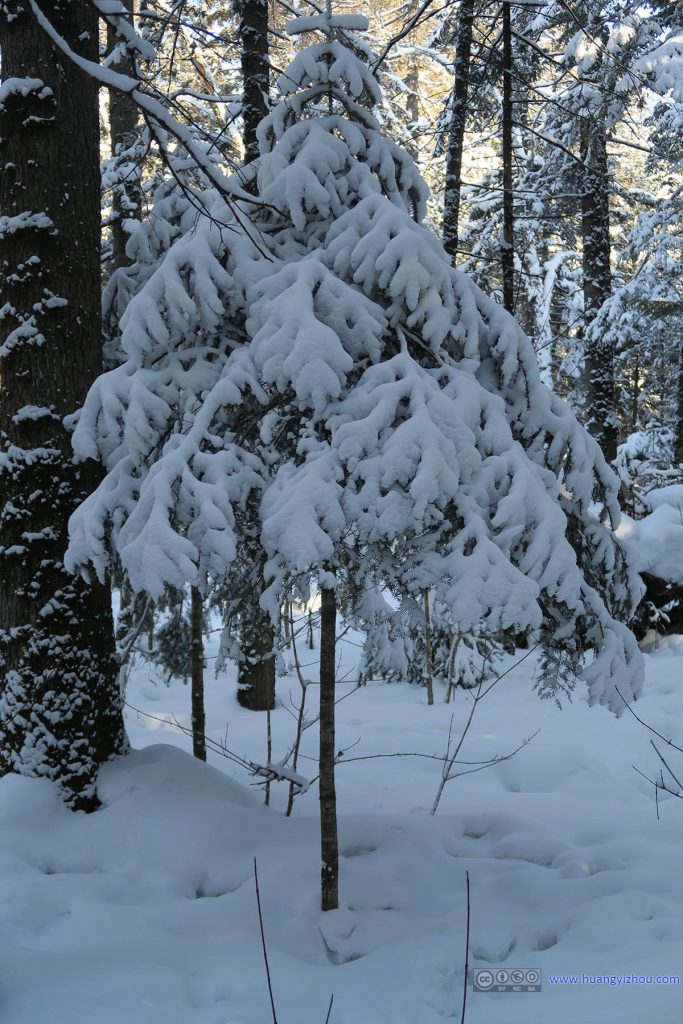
<point>428,648</point>
<point>412,81</point>
<point>124,127</point>
<point>256,679</point>
<point>597,286</point>
<point>329,847</point>
<point>255,71</point>
<point>678,444</point>
<point>456,133</point>
<point>60,704</point>
<point>508,248</point>
<point>198,716</point>
<point>256,666</point>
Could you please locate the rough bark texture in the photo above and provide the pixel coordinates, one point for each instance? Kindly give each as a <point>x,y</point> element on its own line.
<point>508,249</point>
<point>329,847</point>
<point>256,666</point>
<point>124,121</point>
<point>256,669</point>
<point>198,716</point>
<point>60,702</point>
<point>255,71</point>
<point>456,133</point>
<point>678,447</point>
<point>597,287</point>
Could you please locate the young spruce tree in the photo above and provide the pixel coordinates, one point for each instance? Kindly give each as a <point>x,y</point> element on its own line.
<point>317,354</point>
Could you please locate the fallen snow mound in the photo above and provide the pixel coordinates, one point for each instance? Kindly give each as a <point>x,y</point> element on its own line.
<point>145,911</point>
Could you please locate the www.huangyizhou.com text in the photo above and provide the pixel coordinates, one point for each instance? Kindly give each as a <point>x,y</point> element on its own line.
<point>614,980</point>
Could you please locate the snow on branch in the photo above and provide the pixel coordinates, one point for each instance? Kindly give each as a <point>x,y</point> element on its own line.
<point>158,119</point>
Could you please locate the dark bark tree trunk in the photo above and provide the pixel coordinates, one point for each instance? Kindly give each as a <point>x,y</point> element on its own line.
<point>329,847</point>
<point>508,247</point>
<point>256,666</point>
<point>635,396</point>
<point>60,700</point>
<point>256,669</point>
<point>678,445</point>
<point>428,648</point>
<point>597,286</point>
<point>124,127</point>
<point>198,716</point>
<point>456,133</point>
<point>255,71</point>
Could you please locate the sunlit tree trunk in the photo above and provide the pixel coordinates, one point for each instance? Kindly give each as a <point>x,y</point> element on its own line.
<point>124,126</point>
<point>456,133</point>
<point>255,71</point>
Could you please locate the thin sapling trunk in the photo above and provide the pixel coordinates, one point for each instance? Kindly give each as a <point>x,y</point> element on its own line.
<point>198,714</point>
<point>329,847</point>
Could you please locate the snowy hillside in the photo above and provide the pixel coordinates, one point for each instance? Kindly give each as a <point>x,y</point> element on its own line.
<point>145,912</point>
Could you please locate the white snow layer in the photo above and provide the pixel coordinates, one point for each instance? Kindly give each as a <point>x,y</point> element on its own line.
<point>145,911</point>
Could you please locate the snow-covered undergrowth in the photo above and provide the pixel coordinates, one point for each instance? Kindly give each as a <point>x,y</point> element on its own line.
<point>145,911</point>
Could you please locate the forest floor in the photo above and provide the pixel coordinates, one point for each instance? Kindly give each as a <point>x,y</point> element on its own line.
<point>145,912</point>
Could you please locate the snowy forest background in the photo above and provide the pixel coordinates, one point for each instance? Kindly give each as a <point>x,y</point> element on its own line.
<point>341,446</point>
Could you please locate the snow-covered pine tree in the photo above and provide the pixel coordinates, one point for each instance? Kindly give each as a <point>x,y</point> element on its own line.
<point>587,106</point>
<point>318,352</point>
<point>395,647</point>
<point>60,703</point>
<point>655,241</point>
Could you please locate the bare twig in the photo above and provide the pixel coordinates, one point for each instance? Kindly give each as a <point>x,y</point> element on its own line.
<point>467,950</point>
<point>405,30</point>
<point>667,766</point>
<point>450,759</point>
<point>660,736</point>
<point>129,640</point>
<point>300,713</point>
<point>269,755</point>
<point>263,943</point>
<point>428,646</point>
<point>660,784</point>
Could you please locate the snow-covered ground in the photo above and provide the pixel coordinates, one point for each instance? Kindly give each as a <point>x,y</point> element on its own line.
<point>145,912</point>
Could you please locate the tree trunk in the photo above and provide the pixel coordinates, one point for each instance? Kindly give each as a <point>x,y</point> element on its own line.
<point>256,666</point>
<point>198,717</point>
<point>256,669</point>
<point>635,396</point>
<point>329,847</point>
<point>412,81</point>
<point>256,682</point>
<point>597,286</point>
<point>124,124</point>
<point>60,703</point>
<point>508,247</point>
<point>456,134</point>
<point>255,71</point>
<point>428,648</point>
<point>678,445</point>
